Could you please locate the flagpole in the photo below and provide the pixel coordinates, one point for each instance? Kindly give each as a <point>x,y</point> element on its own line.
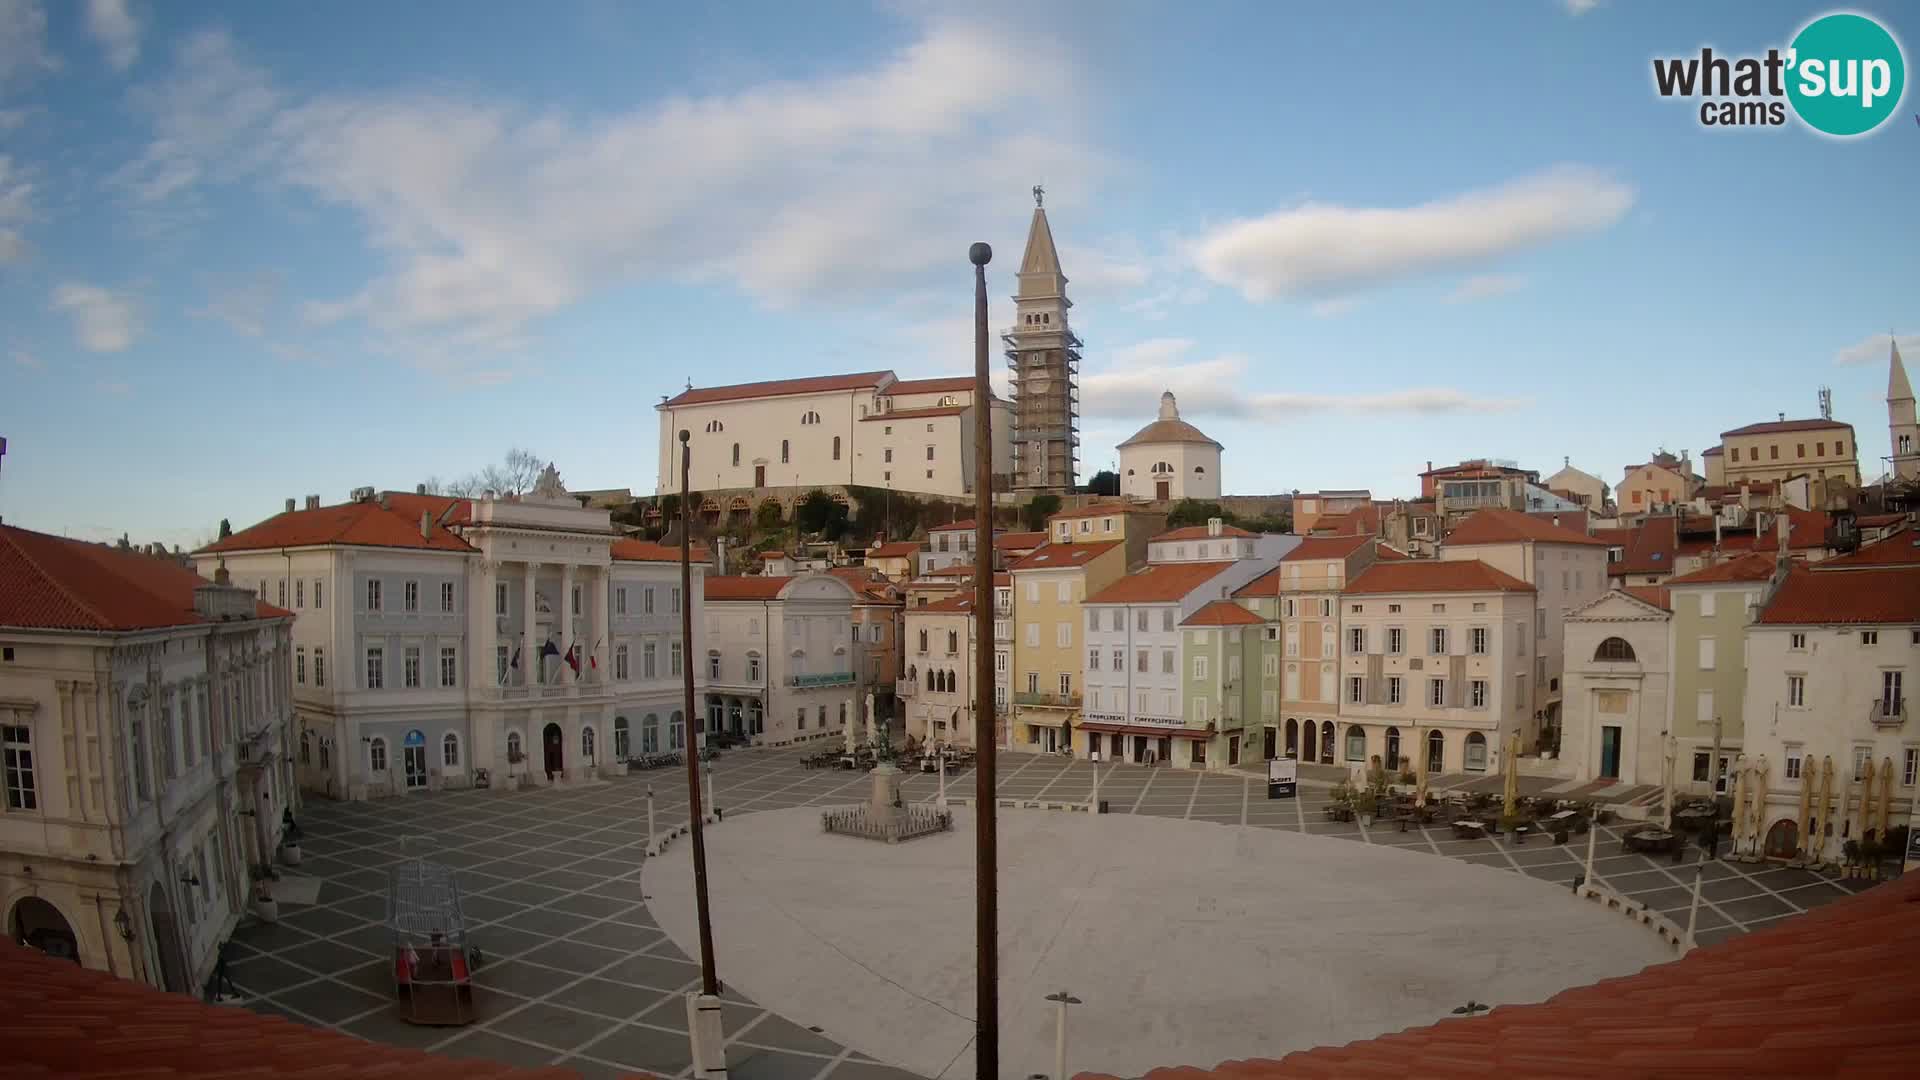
<point>709,980</point>
<point>986,1018</point>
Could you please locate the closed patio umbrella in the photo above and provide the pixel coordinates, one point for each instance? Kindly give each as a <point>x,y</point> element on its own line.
<point>1807,778</point>
<point>1513,775</point>
<point>1886,792</point>
<point>1759,806</point>
<point>1420,752</point>
<point>1826,808</point>
<point>1740,792</point>
<point>1866,801</point>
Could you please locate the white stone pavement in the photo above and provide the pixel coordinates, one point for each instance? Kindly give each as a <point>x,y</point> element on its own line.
<point>1189,942</point>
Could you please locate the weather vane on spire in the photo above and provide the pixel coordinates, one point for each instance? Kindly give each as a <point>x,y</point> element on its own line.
<point>1039,195</point>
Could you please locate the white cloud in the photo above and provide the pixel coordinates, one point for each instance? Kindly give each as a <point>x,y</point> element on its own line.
<point>1095,272</point>
<point>1577,8</point>
<point>1131,389</point>
<point>27,360</point>
<point>112,24</point>
<point>16,210</point>
<point>1873,350</point>
<point>1318,248</point>
<point>102,320</point>
<point>246,303</point>
<point>1485,286</point>
<point>23,41</point>
<point>490,214</point>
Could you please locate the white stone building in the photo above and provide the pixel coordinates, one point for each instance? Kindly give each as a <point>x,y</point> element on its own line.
<point>1435,655</point>
<point>1618,687</point>
<point>145,721</point>
<point>1169,459</point>
<point>942,644</point>
<point>432,638</point>
<point>870,428</point>
<point>779,658</point>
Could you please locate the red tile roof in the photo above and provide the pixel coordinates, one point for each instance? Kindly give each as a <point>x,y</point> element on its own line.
<point>732,587</point>
<point>1619,537</point>
<point>1772,426</point>
<point>1018,541</point>
<point>354,524</point>
<point>1496,526</point>
<point>1651,594</point>
<point>917,414</point>
<point>1390,554</point>
<point>1159,583</point>
<point>952,570</point>
<point>52,583</point>
<point>1650,550</point>
<point>67,1021</point>
<point>1434,575</point>
<point>1824,994</point>
<point>1712,451</point>
<point>1901,548</point>
<point>1222,613</point>
<point>958,602</point>
<point>630,550</point>
<point>1267,584</point>
<point>899,549</point>
<point>1877,521</point>
<point>957,385</point>
<point>1753,566</point>
<point>1199,532</point>
<point>969,525</point>
<point>1326,547</point>
<point>1871,596</point>
<point>1806,531</point>
<point>863,380</point>
<point>1359,521</point>
<point>1062,556</point>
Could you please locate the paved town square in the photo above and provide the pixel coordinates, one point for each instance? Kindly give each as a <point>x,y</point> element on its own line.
<point>577,970</point>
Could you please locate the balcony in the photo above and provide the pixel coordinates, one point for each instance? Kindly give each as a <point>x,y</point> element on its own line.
<point>905,688</point>
<point>1046,700</point>
<point>1887,715</point>
<point>831,678</point>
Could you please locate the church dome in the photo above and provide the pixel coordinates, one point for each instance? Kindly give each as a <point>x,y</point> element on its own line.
<point>1169,428</point>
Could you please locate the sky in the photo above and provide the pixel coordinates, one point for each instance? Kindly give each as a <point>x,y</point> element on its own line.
<point>255,251</point>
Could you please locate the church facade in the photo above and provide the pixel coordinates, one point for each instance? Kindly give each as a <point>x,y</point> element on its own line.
<point>1170,459</point>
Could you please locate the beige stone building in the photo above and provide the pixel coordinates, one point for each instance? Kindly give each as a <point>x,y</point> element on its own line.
<point>1656,485</point>
<point>1049,587</point>
<point>1300,646</point>
<point>937,688</point>
<point>1585,488</point>
<point>1822,450</point>
<point>146,722</point>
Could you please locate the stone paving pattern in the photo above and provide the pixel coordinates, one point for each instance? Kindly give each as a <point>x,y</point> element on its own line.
<point>576,972</point>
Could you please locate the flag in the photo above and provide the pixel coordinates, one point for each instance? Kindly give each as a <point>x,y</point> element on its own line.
<point>549,649</point>
<point>593,658</point>
<point>516,658</point>
<point>573,659</point>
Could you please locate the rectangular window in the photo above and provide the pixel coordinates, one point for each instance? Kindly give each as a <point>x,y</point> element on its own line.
<point>1890,697</point>
<point>753,667</point>
<point>1437,692</point>
<point>713,665</point>
<point>1000,663</point>
<point>673,660</point>
<point>1796,691</point>
<point>622,662</point>
<point>1734,453</point>
<point>1478,690</point>
<point>500,661</point>
<point>1118,620</point>
<point>300,666</point>
<point>373,594</point>
<point>500,598</point>
<point>1063,635</point>
<point>1540,623</point>
<point>449,666</point>
<point>1199,667</point>
<point>1066,683</point>
<point>1033,682</point>
<point>1479,641</point>
<point>1703,707</point>
<point>16,742</point>
<point>1869,637</point>
<point>446,596</point>
<point>1033,635</point>
<point>1326,609</point>
<point>1166,620</point>
<point>1797,641</point>
<point>1063,592</point>
<point>1438,643</point>
<point>575,600</point>
<point>620,600</point>
<point>1356,690</point>
<point>410,660</point>
<point>1395,646</point>
<point>1357,640</point>
<point>317,600</point>
<point>300,593</point>
<point>376,668</point>
<point>1861,755</point>
<point>1119,660</point>
<point>1706,605</point>
<point>411,595</point>
<point>319,666</point>
<point>1795,756</point>
<point>1910,766</point>
<point>674,600</point>
<point>1289,605</point>
<point>1093,620</point>
<point>1773,452</point>
<point>1093,659</point>
<point>1393,690</point>
<point>283,592</point>
<point>1706,654</point>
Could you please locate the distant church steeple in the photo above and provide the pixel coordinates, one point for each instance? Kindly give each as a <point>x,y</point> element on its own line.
<point>1043,356</point>
<point>1903,433</point>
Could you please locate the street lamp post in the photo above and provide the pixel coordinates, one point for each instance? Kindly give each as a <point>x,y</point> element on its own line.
<point>1061,1000</point>
<point>703,1008</point>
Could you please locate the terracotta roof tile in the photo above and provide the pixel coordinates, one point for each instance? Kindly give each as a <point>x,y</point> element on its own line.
<point>354,524</point>
<point>1773,426</point>
<point>1496,526</point>
<point>1867,596</point>
<point>1786,1000</point>
<point>967,525</point>
<point>1063,556</point>
<point>959,602</point>
<point>732,587</point>
<point>821,384</point>
<point>954,570</point>
<point>1169,431</point>
<point>899,549</point>
<point>1199,532</point>
<point>1650,548</point>
<point>1222,613</point>
<point>1752,566</point>
<point>1652,594</point>
<point>1901,548</point>
<point>1325,547</point>
<point>1712,451</point>
<point>1267,584</point>
<point>1434,575</point>
<point>1159,583</point>
<point>1390,554</point>
<point>52,583</point>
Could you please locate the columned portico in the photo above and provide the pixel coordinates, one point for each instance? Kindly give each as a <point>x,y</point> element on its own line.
<point>529,648</point>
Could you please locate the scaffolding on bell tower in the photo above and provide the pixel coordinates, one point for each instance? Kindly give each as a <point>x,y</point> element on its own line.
<point>1043,358</point>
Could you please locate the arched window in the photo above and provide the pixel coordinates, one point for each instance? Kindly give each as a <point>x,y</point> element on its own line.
<point>1393,748</point>
<point>1293,737</point>
<point>676,731</point>
<point>377,755</point>
<point>513,746</point>
<point>586,743</point>
<point>715,426</point>
<point>923,639</point>
<point>1476,752</point>
<point>306,748</point>
<point>650,734</point>
<point>1356,743</point>
<point>1309,741</point>
<point>930,682</point>
<point>836,448</point>
<point>786,452</point>
<point>948,401</point>
<point>913,673</point>
<point>1161,468</point>
<point>450,751</point>
<point>1614,649</point>
<point>1436,751</point>
<point>1199,469</point>
<point>736,453</point>
<point>620,741</point>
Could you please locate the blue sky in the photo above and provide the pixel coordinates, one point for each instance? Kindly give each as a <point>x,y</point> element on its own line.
<point>252,251</point>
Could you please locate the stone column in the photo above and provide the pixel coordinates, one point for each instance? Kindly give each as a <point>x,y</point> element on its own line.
<point>529,648</point>
<point>564,617</point>
<point>486,642</point>
<point>601,643</point>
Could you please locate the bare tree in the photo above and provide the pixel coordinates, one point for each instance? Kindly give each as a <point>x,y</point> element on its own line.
<point>515,475</point>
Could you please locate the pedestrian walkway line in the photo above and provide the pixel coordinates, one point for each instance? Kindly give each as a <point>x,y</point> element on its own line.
<point>1193,796</point>
<point>1144,788</point>
<point>1245,786</point>
<point>1299,808</point>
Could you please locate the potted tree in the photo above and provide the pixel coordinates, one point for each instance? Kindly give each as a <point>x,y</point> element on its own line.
<point>1366,803</point>
<point>514,758</point>
<point>289,838</point>
<point>1850,856</point>
<point>264,906</point>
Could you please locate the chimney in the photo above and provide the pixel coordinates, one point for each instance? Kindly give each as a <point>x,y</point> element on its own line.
<point>1783,418</point>
<point>1780,528</point>
<point>426,525</point>
<point>289,506</point>
<point>220,575</point>
<point>1213,526</point>
<point>313,502</point>
<point>384,503</point>
<point>1759,527</point>
<point>419,489</point>
<point>1716,532</point>
<point>720,555</point>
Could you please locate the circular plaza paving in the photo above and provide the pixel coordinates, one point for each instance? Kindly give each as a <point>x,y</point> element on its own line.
<point>1186,941</point>
<point>579,973</point>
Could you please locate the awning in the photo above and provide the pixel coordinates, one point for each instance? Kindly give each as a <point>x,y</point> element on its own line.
<point>1043,719</point>
<point>1150,732</point>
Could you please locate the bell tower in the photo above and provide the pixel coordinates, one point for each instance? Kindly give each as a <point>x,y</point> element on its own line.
<point>1902,432</point>
<point>1043,357</point>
